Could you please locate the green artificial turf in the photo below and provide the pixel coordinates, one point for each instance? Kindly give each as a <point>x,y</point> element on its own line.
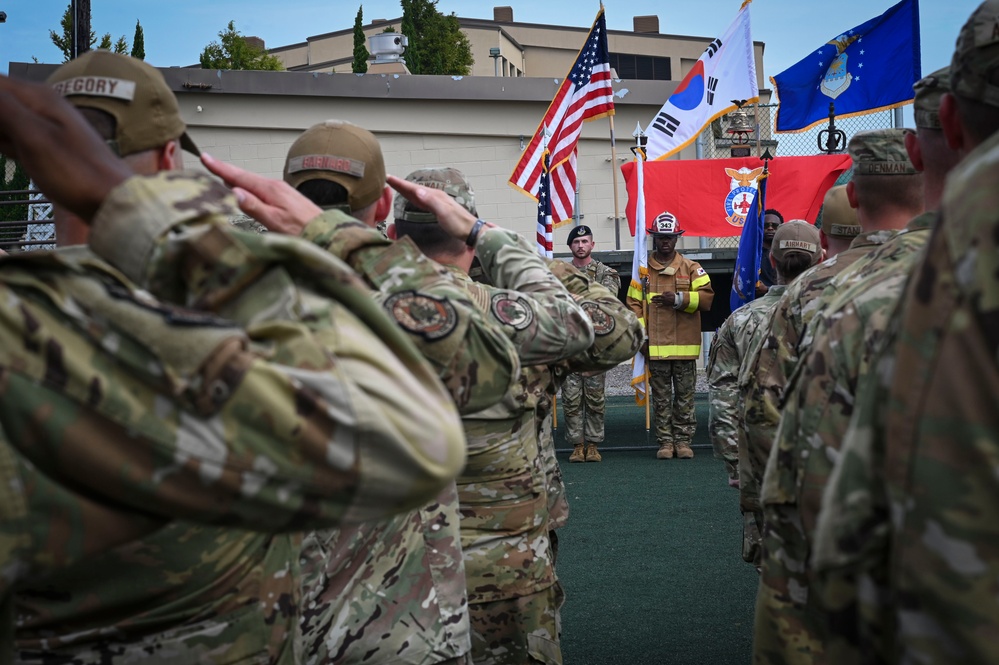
<point>650,559</point>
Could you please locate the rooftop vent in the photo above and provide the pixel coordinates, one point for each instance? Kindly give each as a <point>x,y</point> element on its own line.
<point>647,24</point>
<point>255,42</point>
<point>388,47</point>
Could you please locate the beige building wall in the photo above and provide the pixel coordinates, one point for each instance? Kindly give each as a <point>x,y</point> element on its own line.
<point>526,49</point>
<point>481,138</point>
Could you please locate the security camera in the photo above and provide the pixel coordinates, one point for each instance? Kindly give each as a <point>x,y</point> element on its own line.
<point>3,17</point>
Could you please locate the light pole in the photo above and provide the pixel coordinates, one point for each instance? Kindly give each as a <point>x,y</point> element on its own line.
<point>494,53</point>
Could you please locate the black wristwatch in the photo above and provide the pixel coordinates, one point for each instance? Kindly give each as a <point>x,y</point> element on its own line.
<point>473,235</point>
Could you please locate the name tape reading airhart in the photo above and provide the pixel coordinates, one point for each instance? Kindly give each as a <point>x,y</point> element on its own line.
<point>97,86</point>
<point>345,165</point>
<point>799,244</point>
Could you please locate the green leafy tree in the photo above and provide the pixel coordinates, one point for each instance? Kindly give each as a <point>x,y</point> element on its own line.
<point>12,177</point>
<point>436,43</point>
<point>64,41</point>
<point>232,51</point>
<point>360,64</point>
<point>120,46</point>
<point>138,42</point>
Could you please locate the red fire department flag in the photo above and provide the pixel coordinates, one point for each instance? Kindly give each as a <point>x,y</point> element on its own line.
<point>710,197</point>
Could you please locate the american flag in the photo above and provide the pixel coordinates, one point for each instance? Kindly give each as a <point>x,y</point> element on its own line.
<point>545,247</point>
<point>585,94</point>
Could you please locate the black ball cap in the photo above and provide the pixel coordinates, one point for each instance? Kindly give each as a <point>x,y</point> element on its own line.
<point>577,232</point>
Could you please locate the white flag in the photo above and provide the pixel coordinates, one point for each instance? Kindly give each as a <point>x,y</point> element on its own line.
<point>726,71</point>
<point>639,272</point>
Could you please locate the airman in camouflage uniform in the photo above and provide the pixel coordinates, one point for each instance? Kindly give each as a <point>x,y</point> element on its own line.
<point>583,394</point>
<point>510,577</point>
<point>618,336</point>
<point>393,589</point>
<point>728,347</point>
<point>258,427</point>
<point>795,248</point>
<point>909,511</point>
<point>820,398</point>
<point>787,629</point>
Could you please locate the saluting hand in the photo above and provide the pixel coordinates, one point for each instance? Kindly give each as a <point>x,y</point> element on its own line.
<point>274,203</point>
<point>454,219</point>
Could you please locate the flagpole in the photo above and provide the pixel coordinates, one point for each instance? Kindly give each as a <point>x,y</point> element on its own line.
<point>643,155</point>
<point>617,219</point>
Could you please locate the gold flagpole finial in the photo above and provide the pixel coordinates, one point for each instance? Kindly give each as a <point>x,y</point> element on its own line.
<point>744,4</point>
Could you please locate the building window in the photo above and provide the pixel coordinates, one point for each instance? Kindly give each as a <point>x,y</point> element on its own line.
<point>641,67</point>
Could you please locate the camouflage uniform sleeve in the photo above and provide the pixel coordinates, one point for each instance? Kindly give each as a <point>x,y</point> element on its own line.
<point>33,507</point>
<point>723,397</point>
<point>338,415</point>
<point>545,323</point>
<point>617,333</point>
<point>853,531</point>
<point>472,355</point>
<point>610,279</point>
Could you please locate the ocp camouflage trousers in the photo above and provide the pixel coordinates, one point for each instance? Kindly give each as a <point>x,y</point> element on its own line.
<point>673,383</point>
<point>583,404</point>
<point>516,631</point>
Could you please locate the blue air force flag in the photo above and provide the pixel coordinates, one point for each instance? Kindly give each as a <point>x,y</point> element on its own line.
<point>869,68</point>
<point>747,263</point>
<point>726,71</point>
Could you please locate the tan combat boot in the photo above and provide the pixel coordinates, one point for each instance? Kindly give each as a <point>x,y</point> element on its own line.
<point>577,453</point>
<point>665,451</point>
<point>683,451</point>
<point>591,453</point>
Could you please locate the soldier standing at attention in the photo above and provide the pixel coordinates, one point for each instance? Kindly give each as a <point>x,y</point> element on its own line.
<point>820,400</point>
<point>583,395</point>
<point>678,291</point>
<point>912,502</point>
<point>772,219</point>
<point>795,249</point>
<point>887,191</point>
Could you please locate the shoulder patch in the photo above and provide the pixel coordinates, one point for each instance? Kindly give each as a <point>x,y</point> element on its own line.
<point>512,310</point>
<point>700,271</point>
<point>603,323</point>
<point>431,318</point>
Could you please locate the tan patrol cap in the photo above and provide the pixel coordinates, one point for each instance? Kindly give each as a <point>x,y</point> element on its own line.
<point>880,152</point>
<point>974,69</point>
<point>797,237</point>
<point>340,152</point>
<point>839,220</point>
<point>451,181</point>
<point>134,93</point>
<point>929,90</point>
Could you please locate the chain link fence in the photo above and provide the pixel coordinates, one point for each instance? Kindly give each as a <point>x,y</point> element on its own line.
<point>25,214</point>
<point>716,142</point>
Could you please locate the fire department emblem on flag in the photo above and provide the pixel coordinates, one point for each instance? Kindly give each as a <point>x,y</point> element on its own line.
<point>741,194</point>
